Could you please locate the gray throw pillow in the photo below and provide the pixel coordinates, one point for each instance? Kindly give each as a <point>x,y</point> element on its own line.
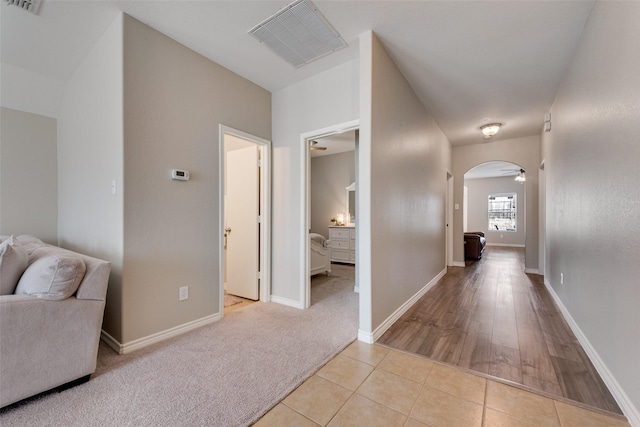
<point>53,277</point>
<point>29,243</point>
<point>13,262</point>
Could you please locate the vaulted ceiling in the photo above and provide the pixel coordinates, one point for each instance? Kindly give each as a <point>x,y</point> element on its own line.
<point>470,62</point>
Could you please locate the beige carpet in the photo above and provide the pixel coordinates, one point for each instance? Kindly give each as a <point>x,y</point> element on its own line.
<point>225,374</point>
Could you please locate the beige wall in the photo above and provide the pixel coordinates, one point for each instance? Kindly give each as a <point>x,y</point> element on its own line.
<point>28,175</point>
<point>90,158</point>
<point>524,152</point>
<point>592,157</point>
<point>326,99</point>
<point>330,175</point>
<point>174,100</point>
<point>478,205</point>
<point>409,156</point>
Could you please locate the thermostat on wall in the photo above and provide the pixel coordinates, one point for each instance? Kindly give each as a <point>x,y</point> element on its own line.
<point>179,174</point>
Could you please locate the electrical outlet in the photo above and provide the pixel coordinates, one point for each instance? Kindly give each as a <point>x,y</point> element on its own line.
<point>561,279</point>
<point>184,293</point>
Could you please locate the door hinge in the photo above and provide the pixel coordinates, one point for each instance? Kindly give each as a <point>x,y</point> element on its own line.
<point>259,219</point>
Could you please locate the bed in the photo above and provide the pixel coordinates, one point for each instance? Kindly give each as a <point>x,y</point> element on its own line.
<point>320,254</point>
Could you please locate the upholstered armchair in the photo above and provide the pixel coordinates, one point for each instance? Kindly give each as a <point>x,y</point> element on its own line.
<point>474,244</point>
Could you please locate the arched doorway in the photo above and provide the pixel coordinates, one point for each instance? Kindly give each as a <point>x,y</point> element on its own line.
<point>494,198</point>
<point>523,152</point>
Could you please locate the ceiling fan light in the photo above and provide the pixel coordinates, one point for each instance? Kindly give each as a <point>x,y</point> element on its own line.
<point>491,129</point>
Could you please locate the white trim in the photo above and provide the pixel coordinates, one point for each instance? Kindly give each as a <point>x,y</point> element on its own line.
<point>366,337</point>
<point>356,289</point>
<point>305,209</point>
<point>265,201</point>
<point>288,302</point>
<point>506,245</point>
<point>458,264</point>
<point>532,271</point>
<point>158,336</point>
<point>380,330</point>
<point>542,217</point>
<point>449,220</point>
<point>625,403</point>
<point>110,341</point>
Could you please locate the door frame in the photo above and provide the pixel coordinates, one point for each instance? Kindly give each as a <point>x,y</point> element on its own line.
<point>265,209</point>
<point>542,219</point>
<point>305,202</point>
<point>449,221</point>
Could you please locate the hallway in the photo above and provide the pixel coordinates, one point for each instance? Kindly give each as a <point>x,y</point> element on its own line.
<point>492,318</point>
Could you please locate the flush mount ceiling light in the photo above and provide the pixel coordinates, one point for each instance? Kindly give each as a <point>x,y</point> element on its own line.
<point>299,34</point>
<point>489,130</point>
<point>521,176</point>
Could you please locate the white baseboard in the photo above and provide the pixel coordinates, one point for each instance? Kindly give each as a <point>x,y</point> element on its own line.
<point>630,411</point>
<point>532,271</point>
<point>506,245</point>
<point>159,336</point>
<point>365,336</point>
<point>377,333</point>
<point>458,264</point>
<point>110,341</point>
<point>287,302</point>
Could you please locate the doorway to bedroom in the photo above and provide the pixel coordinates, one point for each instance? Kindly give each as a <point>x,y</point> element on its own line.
<point>330,157</point>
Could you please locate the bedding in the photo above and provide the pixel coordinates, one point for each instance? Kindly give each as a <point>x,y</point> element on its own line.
<point>319,255</point>
<point>318,238</point>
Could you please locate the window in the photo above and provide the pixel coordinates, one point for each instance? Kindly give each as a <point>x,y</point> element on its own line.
<point>502,212</point>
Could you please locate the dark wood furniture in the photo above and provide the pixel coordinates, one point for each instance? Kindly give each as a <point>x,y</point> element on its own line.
<point>474,244</point>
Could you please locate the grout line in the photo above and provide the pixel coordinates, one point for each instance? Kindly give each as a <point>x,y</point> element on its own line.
<point>484,406</point>
<point>294,410</point>
<point>357,360</point>
<point>340,408</point>
<point>416,401</point>
<point>555,407</point>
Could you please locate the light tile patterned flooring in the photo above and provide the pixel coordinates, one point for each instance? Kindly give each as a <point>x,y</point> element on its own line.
<point>371,385</point>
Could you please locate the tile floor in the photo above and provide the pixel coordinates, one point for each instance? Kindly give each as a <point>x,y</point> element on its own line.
<point>245,302</point>
<point>371,385</point>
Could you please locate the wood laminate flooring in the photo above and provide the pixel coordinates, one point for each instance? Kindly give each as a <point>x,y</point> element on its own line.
<point>491,317</point>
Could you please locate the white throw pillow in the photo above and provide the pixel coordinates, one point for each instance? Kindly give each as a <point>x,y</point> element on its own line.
<point>13,262</point>
<point>53,277</point>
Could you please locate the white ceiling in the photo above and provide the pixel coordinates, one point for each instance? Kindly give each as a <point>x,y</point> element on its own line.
<point>492,170</point>
<point>470,62</point>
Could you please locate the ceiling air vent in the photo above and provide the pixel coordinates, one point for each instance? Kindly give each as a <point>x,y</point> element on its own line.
<point>28,5</point>
<point>298,34</point>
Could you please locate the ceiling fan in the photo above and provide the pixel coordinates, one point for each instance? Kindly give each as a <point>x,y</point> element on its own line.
<point>314,147</point>
<point>518,172</point>
<point>513,171</point>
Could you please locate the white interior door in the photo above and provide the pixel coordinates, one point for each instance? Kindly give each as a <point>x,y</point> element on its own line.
<point>241,223</point>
